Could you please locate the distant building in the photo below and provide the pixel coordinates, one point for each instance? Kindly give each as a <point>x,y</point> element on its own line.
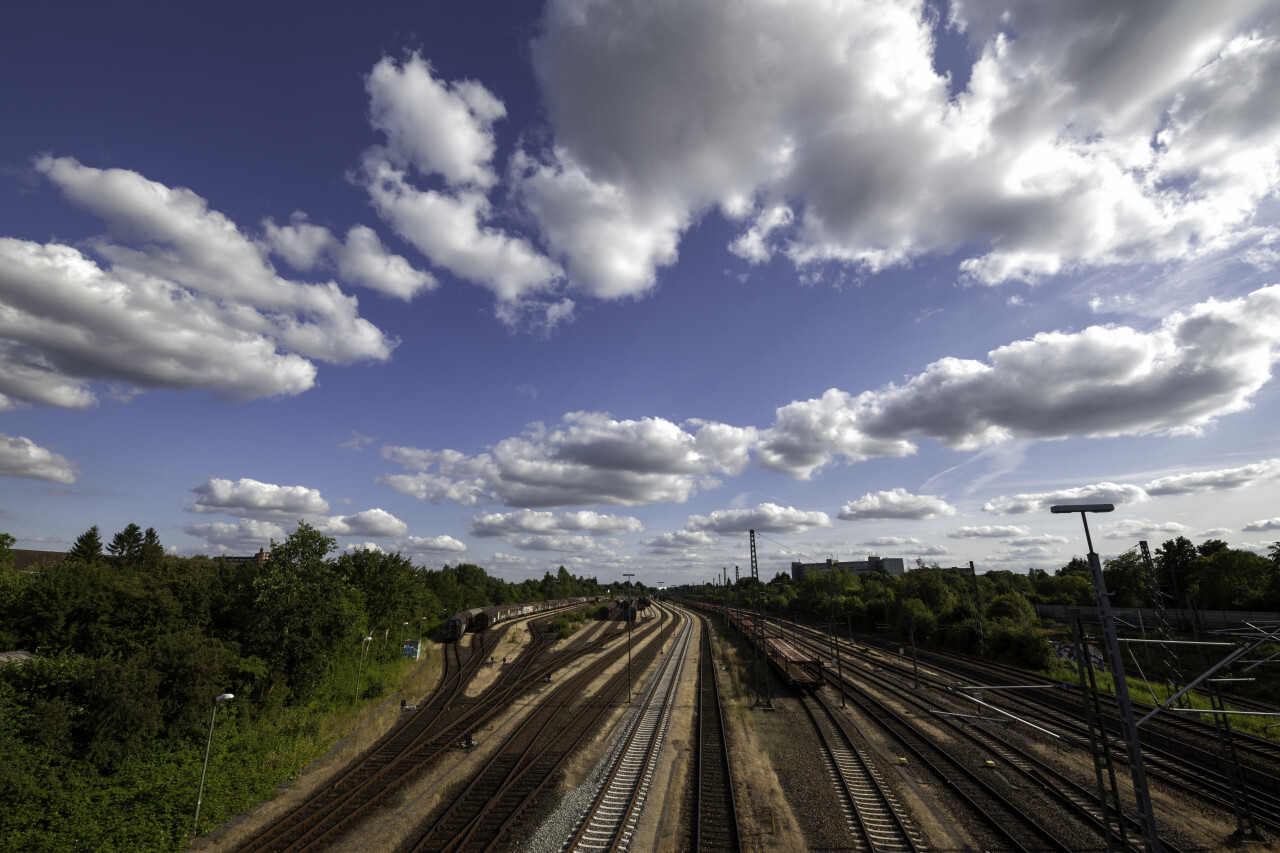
<point>891,565</point>
<point>260,557</point>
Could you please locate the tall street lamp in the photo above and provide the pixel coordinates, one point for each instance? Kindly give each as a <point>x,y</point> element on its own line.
<point>364,644</point>
<point>1127,725</point>
<point>217,700</point>
<point>629,576</point>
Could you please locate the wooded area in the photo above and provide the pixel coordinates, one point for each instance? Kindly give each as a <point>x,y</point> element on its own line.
<point>103,730</point>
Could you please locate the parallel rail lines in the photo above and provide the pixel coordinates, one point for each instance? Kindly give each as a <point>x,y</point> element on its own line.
<point>873,813</point>
<point>403,754</point>
<point>512,779</point>
<point>715,810</point>
<point>610,821</point>
<point>388,764</point>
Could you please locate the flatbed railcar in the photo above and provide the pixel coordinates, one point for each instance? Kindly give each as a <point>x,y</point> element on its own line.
<point>797,668</point>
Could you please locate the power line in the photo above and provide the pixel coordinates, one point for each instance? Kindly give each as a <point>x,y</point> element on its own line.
<point>787,547</point>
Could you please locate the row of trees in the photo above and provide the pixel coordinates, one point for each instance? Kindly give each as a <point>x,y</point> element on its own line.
<point>942,605</point>
<point>131,644</point>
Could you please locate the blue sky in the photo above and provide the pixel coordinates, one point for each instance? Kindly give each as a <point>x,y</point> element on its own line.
<point>607,284</point>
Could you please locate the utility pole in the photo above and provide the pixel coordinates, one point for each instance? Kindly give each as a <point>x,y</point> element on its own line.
<point>760,659</point>
<point>628,576</point>
<point>1128,727</point>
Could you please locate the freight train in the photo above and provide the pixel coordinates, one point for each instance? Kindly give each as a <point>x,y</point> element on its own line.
<point>798,668</point>
<point>480,618</point>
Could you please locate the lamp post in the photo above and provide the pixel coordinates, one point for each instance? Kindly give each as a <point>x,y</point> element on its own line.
<point>364,644</point>
<point>1128,727</point>
<point>628,576</point>
<point>217,700</point>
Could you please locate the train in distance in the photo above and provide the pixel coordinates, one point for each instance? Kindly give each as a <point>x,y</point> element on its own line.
<point>480,618</point>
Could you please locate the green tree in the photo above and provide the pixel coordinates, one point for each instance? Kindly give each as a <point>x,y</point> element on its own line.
<point>1209,547</point>
<point>1173,560</point>
<point>1125,576</point>
<point>87,547</point>
<point>303,609</point>
<point>1077,565</point>
<point>1231,579</point>
<point>392,588</point>
<point>127,544</point>
<point>152,550</point>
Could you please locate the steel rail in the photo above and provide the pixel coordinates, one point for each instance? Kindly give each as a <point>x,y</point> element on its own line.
<point>609,823</point>
<point>715,807</point>
<point>535,757</point>
<point>399,756</point>
<point>873,812</point>
<point>522,749</point>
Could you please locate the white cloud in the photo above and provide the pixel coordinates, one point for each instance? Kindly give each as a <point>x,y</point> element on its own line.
<point>182,299</point>
<point>542,542</point>
<point>1263,524</point>
<point>1042,540</point>
<point>1088,135</point>
<point>447,130</point>
<point>611,240</point>
<point>679,542</point>
<point>1112,493</point>
<point>1195,482</point>
<point>258,500</point>
<point>590,458</point>
<point>301,243</point>
<point>808,435</point>
<point>361,259</point>
<point>370,522</point>
<point>1141,528</point>
<point>439,128</point>
<point>989,531</point>
<point>906,544</point>
<point>1222,479</point>
<point>530,521</point>
<point>1103,381</point>
<point>245,536</point>
<point>429,545</point>
<point>898,503</point>
<point>767,517</point>
<point>357,441</point>
<point>22,457</point>
<point>364,260</point>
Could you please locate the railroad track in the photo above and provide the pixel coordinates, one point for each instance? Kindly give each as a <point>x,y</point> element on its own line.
<point>610,822</point>
<point>1039,779</point>
<point>715,810</point>
<point>875,817</point>
<point>407,750</point>
<point>1179,752</point>
<point>487,807</point>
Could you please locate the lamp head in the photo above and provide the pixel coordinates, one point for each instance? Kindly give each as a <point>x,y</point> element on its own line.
<point>1082,508</point>
<point>224,697</point>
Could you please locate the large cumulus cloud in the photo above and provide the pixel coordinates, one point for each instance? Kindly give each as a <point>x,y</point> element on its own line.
<point>178,297</point>
<point>589,458</point>
<point>1088,133</point>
